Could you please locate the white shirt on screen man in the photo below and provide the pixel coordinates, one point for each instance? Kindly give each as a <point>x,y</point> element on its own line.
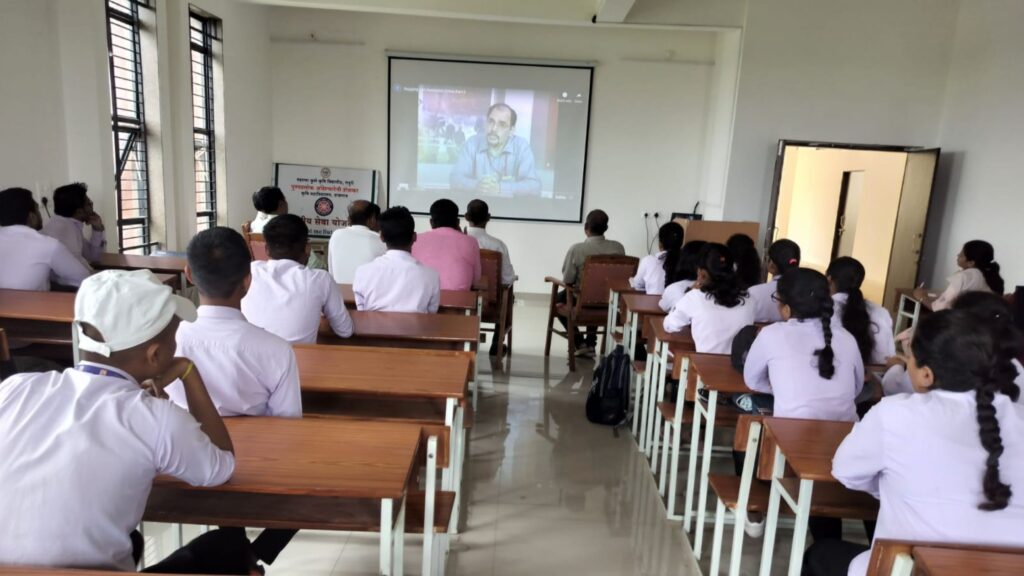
<point>766,310</point>
<point>247,370</point>
<point>488,242</point>
<point>713,326</point>
<point>349,249</point>
<point>287,299</point>
<point>31,258</point>
<point>650,274</point>
<point>86,448</point>
<point>71,233</point>
<point>397,282</point>
<point>920,455</point>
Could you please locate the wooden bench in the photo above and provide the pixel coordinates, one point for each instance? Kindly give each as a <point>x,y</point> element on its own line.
<point>903,558</point>
<point>464,302</point>
<point>616,288</point>
<point>42,319</point>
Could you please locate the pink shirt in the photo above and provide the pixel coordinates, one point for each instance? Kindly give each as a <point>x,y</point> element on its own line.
<point>454,255</point>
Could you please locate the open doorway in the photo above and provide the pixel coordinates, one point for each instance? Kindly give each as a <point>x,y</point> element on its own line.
<point>868,202</point>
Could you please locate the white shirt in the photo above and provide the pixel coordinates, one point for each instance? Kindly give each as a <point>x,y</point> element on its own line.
<point>921,456</point>
<point>766,310</point>
<point>70,233</point>
<point>782,362</point>
<point>349,249</point>
<point>488,242</point>
<point>881,327</point>
<point>713,326</point>
<point>897,381</point>
<point>287,299</point>
<point>261,219</point>
<point>966,280</point>
<point>80,452</point>
<point>650,274</point>
<point>673,292</point>
<point>28,258</point>
<point>247,370</point>
<point>397,282</point>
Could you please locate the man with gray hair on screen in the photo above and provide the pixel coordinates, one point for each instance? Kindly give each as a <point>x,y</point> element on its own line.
<point>497,162</point>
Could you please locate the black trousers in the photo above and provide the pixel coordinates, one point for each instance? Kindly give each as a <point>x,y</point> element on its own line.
<point>216,552</point>
<point>590,340</point>
<point>830,557</point>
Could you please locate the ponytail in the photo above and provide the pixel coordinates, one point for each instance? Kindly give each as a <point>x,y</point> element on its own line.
<point>847,275</point>
<point>785,255</point>
<point>806,293</point>
<point>748,263</point>
<point>721,284</point>
<point>983,256</point>
<point>670,236</point>
<point>683,266</point>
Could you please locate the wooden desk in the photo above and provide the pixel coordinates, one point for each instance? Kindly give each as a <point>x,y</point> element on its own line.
<point>909,308</point>
<point>953,562</point>
<point>456,301</point>
<point>637,307</point>
<point>666,345</point>
<point>305,474</point>
<point>161,264</point>
<point>40,318</point>
<point>615,289</point>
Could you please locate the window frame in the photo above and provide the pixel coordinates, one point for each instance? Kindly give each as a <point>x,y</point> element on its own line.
<point>205,174</point>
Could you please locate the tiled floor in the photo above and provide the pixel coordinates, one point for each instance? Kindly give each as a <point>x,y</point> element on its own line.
<point>546,491</point>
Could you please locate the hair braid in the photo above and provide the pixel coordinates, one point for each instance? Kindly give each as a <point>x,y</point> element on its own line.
<point>996,492</point>
<point>826,356</point>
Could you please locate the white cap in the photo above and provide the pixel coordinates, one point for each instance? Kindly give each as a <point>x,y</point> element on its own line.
<point>128,308</point>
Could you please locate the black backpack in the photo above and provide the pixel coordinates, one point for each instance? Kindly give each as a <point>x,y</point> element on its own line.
<point>608,400</point>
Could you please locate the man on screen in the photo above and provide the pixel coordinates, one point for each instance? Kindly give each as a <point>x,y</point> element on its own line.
<point>497,163</point>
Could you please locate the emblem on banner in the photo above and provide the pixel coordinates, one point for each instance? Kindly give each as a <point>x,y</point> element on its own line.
<point>325,173</point>
<point>323,205</point>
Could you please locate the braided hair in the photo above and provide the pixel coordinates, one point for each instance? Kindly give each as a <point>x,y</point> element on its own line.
<point>721,283</point>
<point>806,293</point>
<point>670,236</point>
<point>983,256</point>
<point>748,263</point>
<point>686,265</point>
<point>847,274</point>
<point>994,311</point>
<point>784,255</point>
<point>964,355</point>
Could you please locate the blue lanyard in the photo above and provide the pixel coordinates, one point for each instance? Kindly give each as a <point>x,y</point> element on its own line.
<point>90,369</point>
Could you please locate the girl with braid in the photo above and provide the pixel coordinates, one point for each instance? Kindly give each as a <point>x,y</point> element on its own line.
<point>870,324</point>
<point>947,463</point>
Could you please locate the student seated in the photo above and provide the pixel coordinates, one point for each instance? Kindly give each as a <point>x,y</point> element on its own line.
<point>748,262</point>
<point>945,463</point>
<point>596,244</point>
<point>286,298</point>
<point>681,274</point>
<point>29,258</point>
<point>269,201</point>
<point>477,216</point>
<point>357,244</point>
<point>397,282</point>
<point>869,323</point>
<point>72,210</point>
<point>454,255</point>
<point>82,446</point>
<point>783,256</point>
<point>978,271</point>
<point>650,275</point>
<point>717,308</point>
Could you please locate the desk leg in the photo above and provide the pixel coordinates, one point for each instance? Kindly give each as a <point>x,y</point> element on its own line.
<point>476,370</point>
<point>677,434</point>
<point>705,466</point>
<point>386,536</point>
<point>772,520</point>
<point>803,513</point>
<point>428,507</point>
<point>638,393</point>
<point>691,469</point>
<point>399,545</point>
<point>609,326</point>
<point>643,411</point>
<point>655,431</point>
<point>902,565</point>
<point>458,459</point>
<point>658,385</point>
<point>447,476</point>
<point>634,319</point>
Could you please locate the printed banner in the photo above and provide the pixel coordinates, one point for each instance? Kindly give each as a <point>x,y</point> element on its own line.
<point>321,194</point>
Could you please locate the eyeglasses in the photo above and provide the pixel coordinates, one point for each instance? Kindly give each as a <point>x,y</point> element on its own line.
<point>775,298</point>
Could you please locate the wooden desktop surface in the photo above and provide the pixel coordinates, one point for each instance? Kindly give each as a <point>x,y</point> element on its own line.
<point>642,304</point>
<point>955,562</point>
<point>622,287</point>
<point>164,264</point>
<point>808,445</point>
<point>38,306</point>
<point>407,328</point>
<point>909,293</point>
<point>460,300</point>
<point>717,373</point>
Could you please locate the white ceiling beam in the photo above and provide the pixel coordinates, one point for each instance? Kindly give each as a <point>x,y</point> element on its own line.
<point>613,10</point>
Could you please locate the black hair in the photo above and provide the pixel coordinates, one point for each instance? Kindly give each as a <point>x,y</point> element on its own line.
<point>444,214</point>
<point>477,212</point>
<point>721,283</point>
<point>287,236</point>
<point>785,254</point>
<point>267,199</point>
<point>597,222</point>
<point>670,236</point>
<point>984,258</point>
<point>397,227</point>
<point>16,205</point>
<point>847,275</point>
<point>687,263</point>
<point>69,198</point>
<point>502,105</point>
<point>360,213</point>
<point>748,262</point>
<point>964,355</point>
<point>219,259</point>
<point>994,311</point>
<point>806,293</point>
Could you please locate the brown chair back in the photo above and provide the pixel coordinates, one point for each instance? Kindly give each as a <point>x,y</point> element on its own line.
<point>598,273</point>
<point>257,245</point>
<point>490,271</point>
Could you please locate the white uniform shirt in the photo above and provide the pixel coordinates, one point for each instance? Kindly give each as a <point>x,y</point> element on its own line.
<point>921,456</point>
<point>261,219</point>
<point>673,292</point>
<point>782,362</point>
<point>247,370</point>
<point>713,326</point>
<point>881,327</point>
<point>650,274</point>
<point>488,242</point>
<point>766,309</point>
<point>349,249</point>
<point>70,233</point>
<point>287,299</point>
<point>80,452</point>
<point>966,280</point>
<point>28,258</point>
<point>397,282</point>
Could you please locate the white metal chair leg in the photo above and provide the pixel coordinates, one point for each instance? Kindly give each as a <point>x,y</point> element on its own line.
<point>643,413</point>
<point>705,469</point>
<point>666,444</point>
<point>428,508</point>
<point>673,470</point>
<point>387,548</point>
<point>747,479</point>
<point>716,540</point>
<point>772,519</point>
<point>803,513</point>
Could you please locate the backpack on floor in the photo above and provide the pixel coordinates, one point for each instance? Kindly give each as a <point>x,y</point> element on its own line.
<point>608,400</point>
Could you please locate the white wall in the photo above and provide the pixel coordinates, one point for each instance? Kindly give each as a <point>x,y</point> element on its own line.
<point>979,193</point>
<point>647,120</point>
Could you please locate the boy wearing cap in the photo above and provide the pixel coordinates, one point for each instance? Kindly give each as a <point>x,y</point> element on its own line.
<point>396,281</point>
<point>82,446</point>
<point>285,297</point>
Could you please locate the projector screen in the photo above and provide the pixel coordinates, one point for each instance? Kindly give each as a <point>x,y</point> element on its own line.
<point>514,135</point>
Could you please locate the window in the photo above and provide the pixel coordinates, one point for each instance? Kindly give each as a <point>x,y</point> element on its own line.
<point>204,30</point>
<point>131,161</point>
